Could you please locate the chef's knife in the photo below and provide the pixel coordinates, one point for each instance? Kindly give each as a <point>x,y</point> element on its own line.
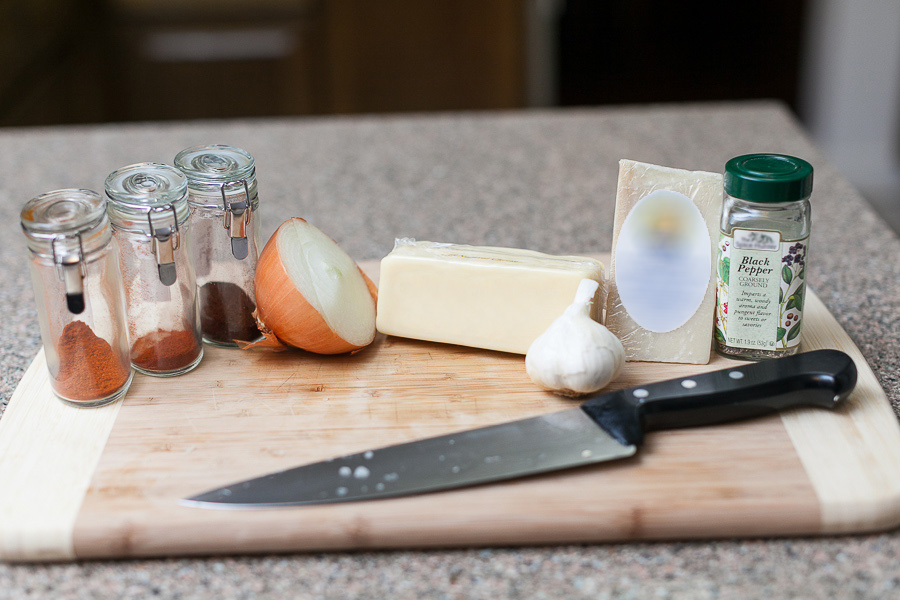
<point>605,427</point>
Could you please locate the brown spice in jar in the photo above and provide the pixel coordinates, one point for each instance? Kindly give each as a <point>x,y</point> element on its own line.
<point>89,369</point>
<point>226,313</point>
<point>165,350</point>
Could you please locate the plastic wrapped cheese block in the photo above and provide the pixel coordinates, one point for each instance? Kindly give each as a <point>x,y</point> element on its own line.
<point>480,296</point>
<point>662,284</point>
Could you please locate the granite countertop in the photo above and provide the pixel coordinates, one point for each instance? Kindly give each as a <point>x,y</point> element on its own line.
<point>543,180</point>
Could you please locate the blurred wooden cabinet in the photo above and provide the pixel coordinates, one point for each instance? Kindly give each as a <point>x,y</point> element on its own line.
<point>49,62</point>
<point>424,55</point>
<point>284,57</point>
<point>203,59</point>
<point>183,59</point>
<point>75,61</point>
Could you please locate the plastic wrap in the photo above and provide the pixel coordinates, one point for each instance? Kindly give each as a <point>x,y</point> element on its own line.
<point>480,296</point>
<point>662,278</point>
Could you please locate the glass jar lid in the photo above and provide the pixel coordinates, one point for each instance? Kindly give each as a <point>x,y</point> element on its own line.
<point>63,211</point>
<point>214,169</point>
<point>768,178</point>
<point>65,219</point>
<point>139,192</point>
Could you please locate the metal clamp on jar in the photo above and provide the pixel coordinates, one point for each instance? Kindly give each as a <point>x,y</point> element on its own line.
<point>78,288</point>
<point>225,218</point>
<point>150,219</point>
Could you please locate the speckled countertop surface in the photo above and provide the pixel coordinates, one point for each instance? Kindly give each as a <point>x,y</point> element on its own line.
<point>544,180</point>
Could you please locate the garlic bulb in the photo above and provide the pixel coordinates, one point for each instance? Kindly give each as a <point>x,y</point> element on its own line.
<point>576,355</point>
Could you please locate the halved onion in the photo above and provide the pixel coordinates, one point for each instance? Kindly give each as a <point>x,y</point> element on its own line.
<point>311,295</point>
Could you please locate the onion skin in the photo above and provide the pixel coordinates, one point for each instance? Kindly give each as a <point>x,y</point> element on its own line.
<point>283,310</point>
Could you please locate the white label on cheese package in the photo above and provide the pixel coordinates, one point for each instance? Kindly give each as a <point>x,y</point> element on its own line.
<point>663,261</point>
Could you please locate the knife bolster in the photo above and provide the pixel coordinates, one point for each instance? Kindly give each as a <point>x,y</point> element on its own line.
<point>617,415</point>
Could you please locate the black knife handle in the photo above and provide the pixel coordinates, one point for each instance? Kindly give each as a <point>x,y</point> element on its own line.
<point>820,378</point>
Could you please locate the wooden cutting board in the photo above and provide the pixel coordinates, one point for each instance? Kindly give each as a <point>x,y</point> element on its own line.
<point>84,483</point>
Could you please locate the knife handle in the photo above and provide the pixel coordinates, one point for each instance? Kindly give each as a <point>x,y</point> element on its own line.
<point>821,378</point>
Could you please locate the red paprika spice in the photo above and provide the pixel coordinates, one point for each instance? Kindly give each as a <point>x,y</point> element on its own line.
<point>165,350</point>
<point>89,370</point>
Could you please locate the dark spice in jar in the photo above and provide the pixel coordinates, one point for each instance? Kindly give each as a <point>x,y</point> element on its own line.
<point>165,350</point>
<point>88,368</point>
<point>226,313</point>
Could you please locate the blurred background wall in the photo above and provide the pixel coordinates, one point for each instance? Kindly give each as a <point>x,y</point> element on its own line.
<point>836,63</point>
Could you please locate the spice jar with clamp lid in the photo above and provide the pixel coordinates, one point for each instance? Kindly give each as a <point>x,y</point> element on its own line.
<point>150,218</point>
<point>80,301</point>
<point>225,220</point>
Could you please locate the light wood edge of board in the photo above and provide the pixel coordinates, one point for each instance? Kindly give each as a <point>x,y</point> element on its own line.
<point>867,495</point>
<point>48,454</point>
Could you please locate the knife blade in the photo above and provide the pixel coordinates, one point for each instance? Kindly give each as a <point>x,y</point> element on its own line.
<point>605,427</point>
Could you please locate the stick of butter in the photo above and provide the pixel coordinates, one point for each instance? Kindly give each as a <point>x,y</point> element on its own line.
<point>479,296</point>
<point>663,287</point>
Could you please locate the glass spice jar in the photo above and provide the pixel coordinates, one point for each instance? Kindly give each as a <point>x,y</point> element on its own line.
<point>763,244</point>
<point>225,219</point>
<point>150,218</point>
<point>78,288</point>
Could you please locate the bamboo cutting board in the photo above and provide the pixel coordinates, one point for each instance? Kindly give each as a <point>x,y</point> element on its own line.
<point>85,483</point>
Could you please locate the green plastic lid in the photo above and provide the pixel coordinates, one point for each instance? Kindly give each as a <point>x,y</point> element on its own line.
<point>768,178</point>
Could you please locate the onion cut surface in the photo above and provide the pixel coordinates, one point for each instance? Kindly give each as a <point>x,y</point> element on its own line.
<point>312,295</point>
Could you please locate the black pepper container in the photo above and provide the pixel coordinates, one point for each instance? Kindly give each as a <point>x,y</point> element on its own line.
<point>763,248</point>
<point>224,203</point>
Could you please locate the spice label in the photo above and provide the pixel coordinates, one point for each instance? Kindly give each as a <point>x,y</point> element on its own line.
<point>760,289</point>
